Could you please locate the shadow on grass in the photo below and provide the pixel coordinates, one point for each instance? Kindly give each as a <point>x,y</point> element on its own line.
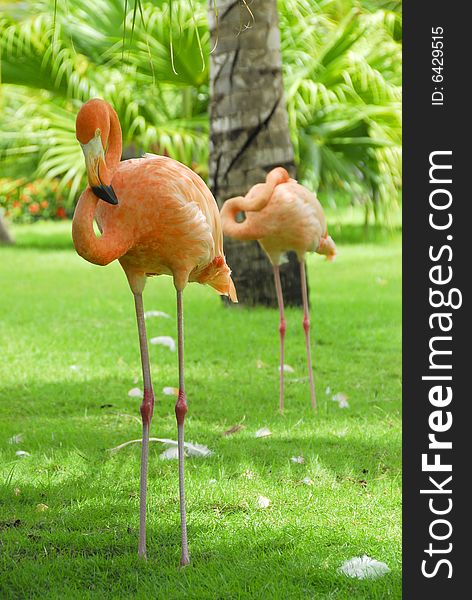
<point>89,402</point>
<point>242,564</point>
<point>91,526</point>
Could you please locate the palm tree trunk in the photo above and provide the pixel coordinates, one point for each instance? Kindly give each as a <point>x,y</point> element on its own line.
<point>249,132</point>
<point>5,237</point>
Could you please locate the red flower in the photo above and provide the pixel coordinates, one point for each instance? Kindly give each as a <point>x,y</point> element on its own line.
<point>44,204</point>
<point>61,213</point>
<point>33,208</point>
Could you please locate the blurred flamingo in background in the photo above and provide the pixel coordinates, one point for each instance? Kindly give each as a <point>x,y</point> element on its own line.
<point>282,216</point>
<point>156,217</point>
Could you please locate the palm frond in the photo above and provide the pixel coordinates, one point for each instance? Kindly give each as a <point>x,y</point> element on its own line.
<point>343,98</point>
<point>342,73</point>
<point>33,55</point>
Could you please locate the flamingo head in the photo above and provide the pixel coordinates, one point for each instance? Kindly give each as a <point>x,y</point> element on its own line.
<point>277,175</point>
<point>92,131</point>
<point>327,247</point>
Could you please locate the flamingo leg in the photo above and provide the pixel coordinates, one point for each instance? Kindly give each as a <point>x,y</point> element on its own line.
<point>282,329</point>
<point>147,408</point>
<point>180,412</point>
<point>306,327</point>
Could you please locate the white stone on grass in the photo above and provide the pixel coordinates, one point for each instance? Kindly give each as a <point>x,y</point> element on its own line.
<point>363,567</point>
<point>198,450</point>
<point>170,391</point>
<point>171,453</point>
<point>164,340</point>
<point>190,448</point>
<point>156,313</point>
<point>22,453</point>
<point>135,393</point>
<point>288,369</point>
<point>263,502</point>
<point>263,432</point>
<point>341,399</point>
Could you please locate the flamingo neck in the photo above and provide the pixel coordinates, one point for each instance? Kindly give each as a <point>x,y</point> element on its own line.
<point>109,246</point>
<point>255,200</point>
<point>83,234</point>
<point>233,228</point>
<point>113,151</point>
<point>97,250</point>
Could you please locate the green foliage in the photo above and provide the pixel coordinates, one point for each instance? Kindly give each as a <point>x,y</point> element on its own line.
<point>343,82</point>
<point>342,67</point>
<point>58,311</point>
<point>50,65</point>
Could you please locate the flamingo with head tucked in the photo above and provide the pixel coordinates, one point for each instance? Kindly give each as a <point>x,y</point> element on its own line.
<point>156,217</point>
<point>282,216</point>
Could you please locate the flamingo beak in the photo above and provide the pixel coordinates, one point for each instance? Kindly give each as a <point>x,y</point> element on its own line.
<point>95,163</point>
<point>105,192</point>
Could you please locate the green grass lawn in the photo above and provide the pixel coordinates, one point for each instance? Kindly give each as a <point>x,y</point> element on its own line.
<point>57,311</point>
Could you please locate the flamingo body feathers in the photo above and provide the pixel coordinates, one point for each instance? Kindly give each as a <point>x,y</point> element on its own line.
<point>166,220</point>
<point>282,215</point>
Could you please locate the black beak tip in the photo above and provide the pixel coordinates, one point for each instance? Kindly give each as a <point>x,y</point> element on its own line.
<point>106,193</point>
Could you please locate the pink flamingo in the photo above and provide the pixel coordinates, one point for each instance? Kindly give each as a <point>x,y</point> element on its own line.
<point>157,217</point>
<point>282,215</point>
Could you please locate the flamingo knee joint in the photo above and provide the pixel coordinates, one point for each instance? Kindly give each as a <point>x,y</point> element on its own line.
<point>181,407</point>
